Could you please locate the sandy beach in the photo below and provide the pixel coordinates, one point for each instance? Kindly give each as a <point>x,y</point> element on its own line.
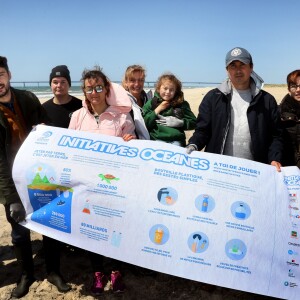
<point>76,269</point>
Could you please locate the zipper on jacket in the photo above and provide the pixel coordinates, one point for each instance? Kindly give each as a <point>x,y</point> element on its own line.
<point>227,125</point>
<point>225,136</point>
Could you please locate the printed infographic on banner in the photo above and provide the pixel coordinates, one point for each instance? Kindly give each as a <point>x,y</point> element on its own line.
<point>211,218</point>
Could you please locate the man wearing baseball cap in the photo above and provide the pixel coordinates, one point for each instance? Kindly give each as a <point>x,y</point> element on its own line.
<point>238,118</point>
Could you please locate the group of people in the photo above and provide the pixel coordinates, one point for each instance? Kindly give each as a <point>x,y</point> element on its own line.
<point>237,118</point>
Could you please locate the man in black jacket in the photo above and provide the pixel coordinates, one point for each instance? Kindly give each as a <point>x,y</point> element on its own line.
<point>238,118</point>
<point>19,112</point>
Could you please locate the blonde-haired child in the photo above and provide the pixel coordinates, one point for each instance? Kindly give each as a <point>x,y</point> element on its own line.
<point>168,115</point>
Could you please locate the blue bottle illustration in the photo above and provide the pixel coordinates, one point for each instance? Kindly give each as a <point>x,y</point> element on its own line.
<point>240,211</point>
<point>204,203</point>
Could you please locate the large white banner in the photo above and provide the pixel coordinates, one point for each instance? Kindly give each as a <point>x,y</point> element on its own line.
<point>211,218</point>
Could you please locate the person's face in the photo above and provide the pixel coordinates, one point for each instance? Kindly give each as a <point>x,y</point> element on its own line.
<point>94,97</point>
<point>60,86</point>
<point>239,74</point>
<point>4,82</point>
<point>294,89</point>
<point>135,83</point>
<point>167,90</point>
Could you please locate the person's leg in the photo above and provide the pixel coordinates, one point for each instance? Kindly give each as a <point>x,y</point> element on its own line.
<point>52,251</point>
<point>23,251</point>
<point>100,279</point>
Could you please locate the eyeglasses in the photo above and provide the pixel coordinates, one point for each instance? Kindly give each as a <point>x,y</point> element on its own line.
<point>293,87</point>
<point>97,89</point>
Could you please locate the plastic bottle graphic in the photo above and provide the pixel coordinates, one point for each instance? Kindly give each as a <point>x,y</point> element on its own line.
<point>204,203</point>
<point>86,208</point>
<point>158,236</point>
<point>118,239</point>
<point>66,194</point>
<point>240,211</point>
<point>197,237</point>
<point>113,238</point>
<point>235,249</point>
<point>203,244</point>
<point>169,200</point>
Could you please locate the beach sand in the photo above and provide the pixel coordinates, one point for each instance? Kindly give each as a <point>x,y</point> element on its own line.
<point>76,269</point>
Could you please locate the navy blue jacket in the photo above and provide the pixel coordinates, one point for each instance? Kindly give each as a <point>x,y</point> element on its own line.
<point>213,123</point>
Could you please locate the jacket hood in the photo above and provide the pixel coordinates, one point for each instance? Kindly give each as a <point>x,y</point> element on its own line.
<point>256,85</point>
<point>118,100</point>
<point>118,96</point>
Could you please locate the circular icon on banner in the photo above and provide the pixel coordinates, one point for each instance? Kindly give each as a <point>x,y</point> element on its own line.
<point>167,196</point>
<point>235,249</point>
<point>240,210</point>
<point>205,203</point>
<point>159,234</point>
<point>198,242</point>
<point>47,134</point>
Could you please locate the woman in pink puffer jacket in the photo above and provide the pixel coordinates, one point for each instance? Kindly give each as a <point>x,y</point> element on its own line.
<point>106,108</point>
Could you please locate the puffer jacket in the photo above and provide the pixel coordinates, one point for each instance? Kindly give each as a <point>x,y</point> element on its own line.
<point>213,123</point>
<point>114,121</point>
<point>33,114</point>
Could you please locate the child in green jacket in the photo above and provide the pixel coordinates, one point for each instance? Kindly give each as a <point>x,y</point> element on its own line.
<point>168,115</point>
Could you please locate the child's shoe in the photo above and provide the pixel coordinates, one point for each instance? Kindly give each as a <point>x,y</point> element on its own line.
<point>116,282</point>
<point>100,281</point>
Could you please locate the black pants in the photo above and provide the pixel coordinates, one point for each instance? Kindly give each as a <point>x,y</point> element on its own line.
<point>22,245</point>
<point>52,250</point>
<point>19,233</point>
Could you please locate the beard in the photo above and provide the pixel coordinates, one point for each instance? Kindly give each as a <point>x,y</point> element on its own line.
<point>5,89</point>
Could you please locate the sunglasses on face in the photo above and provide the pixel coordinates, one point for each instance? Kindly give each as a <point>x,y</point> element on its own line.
<point>97,89</point>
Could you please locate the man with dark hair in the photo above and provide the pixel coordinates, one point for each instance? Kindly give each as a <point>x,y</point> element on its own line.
<point>20,111</point>
<point>59,110</point>
<point>238,118</point>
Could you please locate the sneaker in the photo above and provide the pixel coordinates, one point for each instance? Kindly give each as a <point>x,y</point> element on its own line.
<point>117,282</point>
<point>100,281</point>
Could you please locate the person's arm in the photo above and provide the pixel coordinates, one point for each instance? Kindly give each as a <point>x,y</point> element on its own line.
<point>74,119</point>
<point>149,115</point>
<point>189,118</point>
<point>128,128</point>
<point>8,191</point>
<point>276,146</point>
<point>277,165</point>
<point>202,131</point>
<point>33,110</point>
